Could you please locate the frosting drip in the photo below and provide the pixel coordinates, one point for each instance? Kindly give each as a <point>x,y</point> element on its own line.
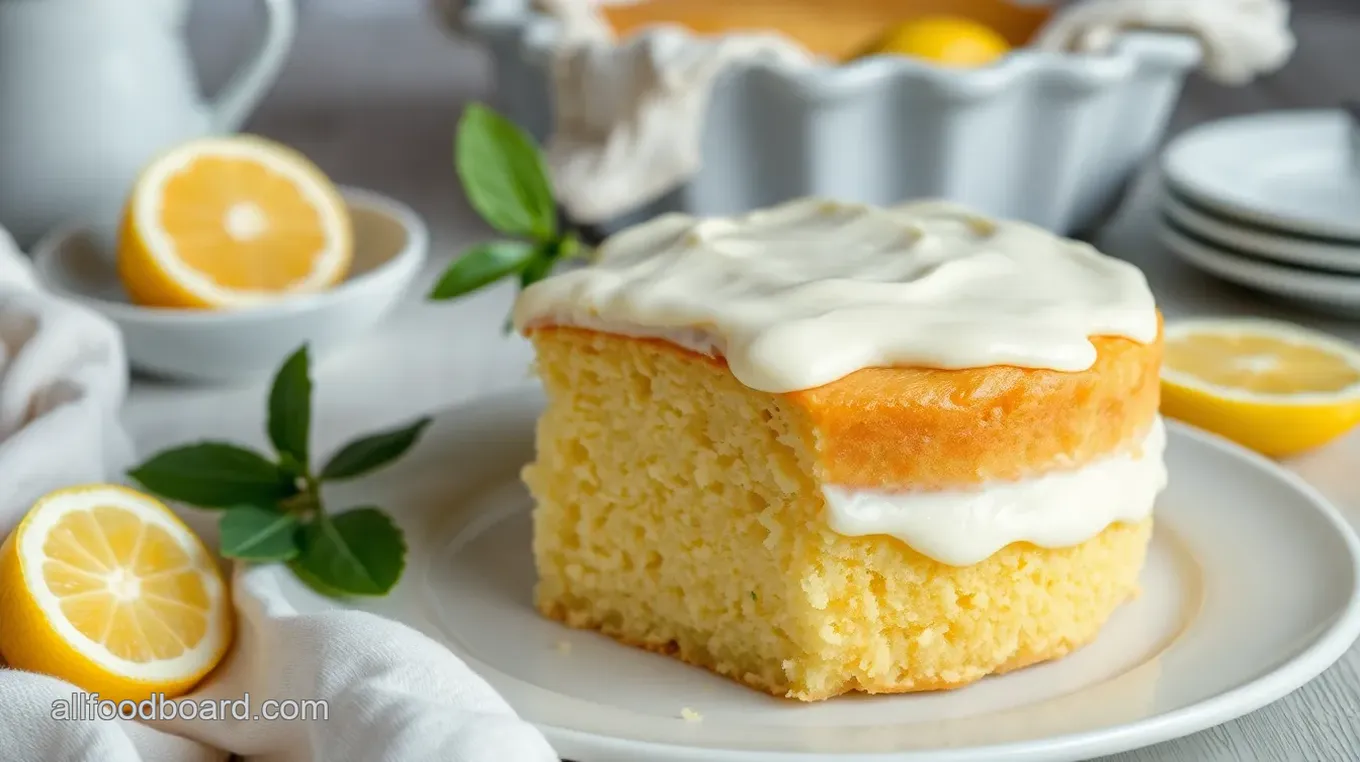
<point>804,293</point>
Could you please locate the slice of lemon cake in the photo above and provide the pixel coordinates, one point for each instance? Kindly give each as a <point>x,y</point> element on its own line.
<point>825,447</point>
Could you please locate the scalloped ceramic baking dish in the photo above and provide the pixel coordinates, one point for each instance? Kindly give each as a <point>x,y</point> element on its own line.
<point>1048,138</point>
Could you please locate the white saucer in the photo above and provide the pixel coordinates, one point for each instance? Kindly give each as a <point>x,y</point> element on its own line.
<point>390,245</point>
<point>1261,242</point>
<point>1289,170</point>
<point>1333,293</point>
<point>1252,588</point>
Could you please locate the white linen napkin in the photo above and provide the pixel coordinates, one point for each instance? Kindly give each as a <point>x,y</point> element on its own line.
<point>391,693</point>
<point>1242,39</point>
<point>628,114</point>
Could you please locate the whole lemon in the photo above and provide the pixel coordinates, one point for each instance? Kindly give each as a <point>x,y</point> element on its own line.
<point>945,40</point>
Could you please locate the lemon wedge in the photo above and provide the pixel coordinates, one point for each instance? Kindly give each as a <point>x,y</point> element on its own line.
<point>945,40</point>
<point>105,588</point>
<point>1275,387</point>
<point>229,222</point>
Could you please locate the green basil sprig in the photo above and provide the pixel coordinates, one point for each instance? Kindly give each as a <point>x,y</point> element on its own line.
<point>271,505</point>
<point>506,181</point>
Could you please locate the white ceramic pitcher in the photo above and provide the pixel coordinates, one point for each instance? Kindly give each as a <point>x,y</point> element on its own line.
<point>90,90</point>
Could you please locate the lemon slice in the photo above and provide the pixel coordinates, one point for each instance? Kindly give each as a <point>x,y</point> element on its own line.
<point>945,40</point>
<point>1275,387</point>
<point>231,222</point>
<point>105,588</point>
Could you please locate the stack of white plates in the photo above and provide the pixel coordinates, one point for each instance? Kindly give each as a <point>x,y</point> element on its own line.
<point>1270,202</point>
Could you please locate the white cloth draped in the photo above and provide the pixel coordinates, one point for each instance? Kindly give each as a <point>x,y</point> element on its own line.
<point>391,693</point>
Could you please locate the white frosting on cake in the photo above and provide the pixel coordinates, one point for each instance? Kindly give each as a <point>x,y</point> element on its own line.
<point>1058,509</point>
<point>807,292</point>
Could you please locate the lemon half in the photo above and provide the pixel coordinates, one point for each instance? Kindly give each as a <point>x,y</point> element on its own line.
<point>230,222</point>
<point>105,588</point>
<point>1275,387</point>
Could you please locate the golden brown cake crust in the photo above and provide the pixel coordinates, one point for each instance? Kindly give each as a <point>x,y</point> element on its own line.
<point>937,429</point>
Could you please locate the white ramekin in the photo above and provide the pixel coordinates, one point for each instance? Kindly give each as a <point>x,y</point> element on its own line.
<point>1048,138</point>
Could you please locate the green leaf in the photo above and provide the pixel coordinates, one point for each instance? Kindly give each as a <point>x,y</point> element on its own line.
<point>291,465</point>
<point>482,265</point>
<point>503,175</point>
<point>312,581</point>
<point>372,452</point>
<point>538,268</point>
<point>570,247</point>
<point>358,552</point>
<point>214,475</point>
<point>290,409</point>
<point>256,533</point>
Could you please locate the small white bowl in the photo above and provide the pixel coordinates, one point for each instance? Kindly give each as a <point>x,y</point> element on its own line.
<point>390,244</point>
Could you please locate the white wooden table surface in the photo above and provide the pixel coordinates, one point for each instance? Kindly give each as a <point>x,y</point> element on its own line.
<point>374,102</point>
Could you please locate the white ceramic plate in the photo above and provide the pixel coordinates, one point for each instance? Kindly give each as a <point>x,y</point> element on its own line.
<point>1290,170</point>
<point>1262,242</point>
<point>1328,292</point>
<point>1251,589</point>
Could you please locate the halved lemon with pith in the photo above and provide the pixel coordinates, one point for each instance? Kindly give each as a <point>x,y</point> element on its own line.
<point>1275,387</point>
<point>231,222</point>
<point>105,588</point>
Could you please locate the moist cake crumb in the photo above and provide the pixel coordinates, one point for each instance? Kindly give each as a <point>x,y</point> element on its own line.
<point>761,455</point>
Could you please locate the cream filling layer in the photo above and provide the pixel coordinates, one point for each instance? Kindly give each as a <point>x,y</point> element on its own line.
<point>1056,510</point>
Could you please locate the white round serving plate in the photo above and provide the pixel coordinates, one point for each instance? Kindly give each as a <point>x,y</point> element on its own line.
<point>1252,588</point>
<point>1293,170</point>
<point>1334,293</point>
<point>1262,242</point>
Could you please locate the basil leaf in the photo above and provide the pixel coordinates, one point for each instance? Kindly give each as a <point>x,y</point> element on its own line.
<point>290,409</point>
<point>539,267</point>
<point>255,533</point>
<point>358,552</point>
<point>291,465</point>
<point>570,247</point>
<point>214,475</point>
<point>372,452</point>
<point>312,581</point>
<point>482,265</point>
<point>503,175</point>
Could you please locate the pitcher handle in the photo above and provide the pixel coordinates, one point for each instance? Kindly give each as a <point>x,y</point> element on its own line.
<point>249,84</point>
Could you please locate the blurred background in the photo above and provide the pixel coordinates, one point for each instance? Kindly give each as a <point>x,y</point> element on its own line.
<point>385,75</point>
